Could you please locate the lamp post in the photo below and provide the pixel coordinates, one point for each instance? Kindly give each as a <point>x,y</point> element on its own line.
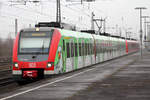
<point>148,32</point>
<point>141,32</point>
<point>58,13</point>
<point>92,21</point>
<point>147,38</point>
<point>145,25</point>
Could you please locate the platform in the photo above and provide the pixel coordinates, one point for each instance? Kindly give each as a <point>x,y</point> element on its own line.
<point>126,78</point>
<point>130,83</point>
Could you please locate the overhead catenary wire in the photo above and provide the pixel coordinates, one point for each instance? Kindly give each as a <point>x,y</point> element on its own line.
<point>38,12</point>
<point>27,19</point>
<point>28,10</point>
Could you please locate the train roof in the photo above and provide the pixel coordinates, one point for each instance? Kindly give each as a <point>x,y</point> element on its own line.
<point>34,29</point>
<point>77,34</point>
<point>86,35</point>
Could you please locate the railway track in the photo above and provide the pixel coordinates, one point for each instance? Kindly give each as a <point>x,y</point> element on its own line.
<point>5,67</point>
<point>5,72</point>
<point>5,60</point>
<point>4,63</point>
<point>6,81</point>
<point>5,77</point>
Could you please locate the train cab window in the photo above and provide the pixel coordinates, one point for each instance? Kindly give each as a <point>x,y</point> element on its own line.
<point>34,42</point>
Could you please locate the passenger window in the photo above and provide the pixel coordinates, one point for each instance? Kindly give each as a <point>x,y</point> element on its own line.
<point>68,50</point>
<point>80,49</point>
<point>76,49</point>
<point>72,49</point>
<point>83,49</point>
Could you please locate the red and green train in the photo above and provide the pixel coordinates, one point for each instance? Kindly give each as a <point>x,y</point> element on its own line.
<point>44,51</point>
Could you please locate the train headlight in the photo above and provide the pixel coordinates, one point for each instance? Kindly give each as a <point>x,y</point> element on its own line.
<point>16,65</point>
<point>49,65</point>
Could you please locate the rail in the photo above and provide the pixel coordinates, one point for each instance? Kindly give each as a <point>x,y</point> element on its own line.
<point>6,81</point>
<point>5,59</point>
<point>5,71</point>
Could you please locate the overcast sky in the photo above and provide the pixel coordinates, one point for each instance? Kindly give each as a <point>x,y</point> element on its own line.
<point>119,13</point>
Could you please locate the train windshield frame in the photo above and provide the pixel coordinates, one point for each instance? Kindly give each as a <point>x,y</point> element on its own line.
<point>35,42</point>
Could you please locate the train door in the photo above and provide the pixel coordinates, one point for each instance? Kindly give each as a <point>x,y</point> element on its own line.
<point>83,53</point>
<point>116,46</point>
<point>101,56</point>
<point>80,54</point>
<point>107,53</point>
<point>110,48</point>
<point>119,53</point>
<point>63,57</point>
<point>95,54</point>
<point>59,68</point>
<point>98,50</point>
<point>104,51</point>
<point>72,55</point>
<point>90,50</point>
<point>113,47</point>
<point>88,57</point>
<point>76,54</point>
<point>86,53</point>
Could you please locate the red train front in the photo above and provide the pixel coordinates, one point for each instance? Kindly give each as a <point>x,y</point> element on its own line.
<point>31,53</point>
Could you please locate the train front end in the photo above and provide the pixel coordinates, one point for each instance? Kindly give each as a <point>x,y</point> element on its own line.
<point>33,56</point>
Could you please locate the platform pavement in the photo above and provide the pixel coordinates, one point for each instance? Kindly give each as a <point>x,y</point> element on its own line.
<point>130,83</point>
<point>89,84</point>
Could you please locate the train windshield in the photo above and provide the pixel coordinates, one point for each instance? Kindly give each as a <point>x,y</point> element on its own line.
<point>34,42</point>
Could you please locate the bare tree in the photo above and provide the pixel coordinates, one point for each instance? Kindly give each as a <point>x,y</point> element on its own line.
<point>6,46</point>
